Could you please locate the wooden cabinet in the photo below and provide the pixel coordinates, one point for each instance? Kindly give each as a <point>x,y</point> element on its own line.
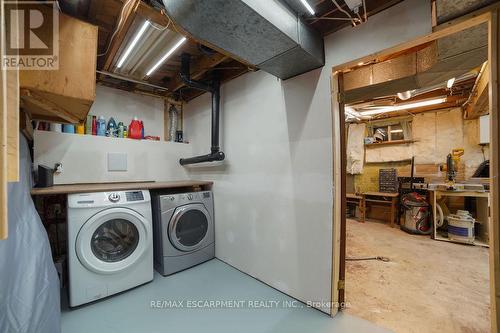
<point>64,95</point>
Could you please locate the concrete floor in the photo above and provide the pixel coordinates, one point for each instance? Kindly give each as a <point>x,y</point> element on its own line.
<point>428,286</point>
<point>132,311</point>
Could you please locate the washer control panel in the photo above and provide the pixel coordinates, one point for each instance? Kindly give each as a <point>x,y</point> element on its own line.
<point>105,199</point>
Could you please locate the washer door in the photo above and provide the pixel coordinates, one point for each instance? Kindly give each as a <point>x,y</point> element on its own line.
<point>188,227</point>
<point>112,240</point>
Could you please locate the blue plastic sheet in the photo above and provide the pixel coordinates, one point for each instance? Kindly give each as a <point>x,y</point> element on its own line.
<point>29,285</point>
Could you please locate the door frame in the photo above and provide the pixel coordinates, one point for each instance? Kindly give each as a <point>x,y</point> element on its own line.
<point>489,15</point>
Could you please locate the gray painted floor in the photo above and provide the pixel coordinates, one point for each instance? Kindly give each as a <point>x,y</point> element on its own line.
<point>132,311</point>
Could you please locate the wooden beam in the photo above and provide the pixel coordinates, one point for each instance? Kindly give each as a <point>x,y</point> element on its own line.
<point>336,191</point>
<point>114,45</point>
<point>198,69</point>
<point>153,15</point>
<point>227,75</point>
<point>25,125</point>
<point>3,144</point>
<point>478,103</point>
<point>13,125</point>
<point>494,93</point>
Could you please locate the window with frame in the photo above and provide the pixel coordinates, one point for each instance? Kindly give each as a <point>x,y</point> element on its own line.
<point>391,131</point>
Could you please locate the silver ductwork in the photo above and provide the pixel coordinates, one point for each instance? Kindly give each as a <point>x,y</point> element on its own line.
<point>264,33</point>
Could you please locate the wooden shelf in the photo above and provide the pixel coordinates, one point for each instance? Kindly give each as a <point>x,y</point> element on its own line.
<point>482,215</point>
<point>389,143</point>
<point>476,242</point>
<point>104,187</point>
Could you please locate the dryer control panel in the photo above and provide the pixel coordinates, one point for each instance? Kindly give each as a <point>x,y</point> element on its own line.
<point>169,201</point>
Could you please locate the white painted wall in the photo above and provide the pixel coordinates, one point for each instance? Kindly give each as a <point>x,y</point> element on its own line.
<point>124,106</point>
<point>273,194</point>
<point>85,158</point>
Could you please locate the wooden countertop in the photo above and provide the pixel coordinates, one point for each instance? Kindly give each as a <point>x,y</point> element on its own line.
<point>381,194</point>
<point>105,187</point>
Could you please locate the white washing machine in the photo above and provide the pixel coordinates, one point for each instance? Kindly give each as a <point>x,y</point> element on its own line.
<point>184,234</point>
<point>110,243</point>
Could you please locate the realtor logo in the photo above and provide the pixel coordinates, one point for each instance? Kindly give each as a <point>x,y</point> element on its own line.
<point>31,39</point>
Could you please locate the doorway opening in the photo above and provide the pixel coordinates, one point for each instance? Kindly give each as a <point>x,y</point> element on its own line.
<point>415,166</point>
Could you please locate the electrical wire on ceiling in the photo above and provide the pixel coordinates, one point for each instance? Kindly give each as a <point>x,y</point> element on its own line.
<point>353,20</point>
<point>153,25</point>
<point>118,27</point>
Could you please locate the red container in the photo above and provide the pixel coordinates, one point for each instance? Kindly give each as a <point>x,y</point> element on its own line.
<point>135,129</point>
<point>94,125</point>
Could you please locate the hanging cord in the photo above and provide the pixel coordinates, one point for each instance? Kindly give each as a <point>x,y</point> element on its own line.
<point>118,26</point>
<point>384,259</point>
<point>353,20</point>
<point>160,29</point>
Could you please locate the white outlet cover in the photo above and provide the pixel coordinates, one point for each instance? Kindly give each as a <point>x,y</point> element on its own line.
<point>117,161</point>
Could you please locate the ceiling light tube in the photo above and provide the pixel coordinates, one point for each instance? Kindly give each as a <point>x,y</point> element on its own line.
<point>397,131</point>
<point>308,7</point>
<point>132,44</point>
<point>404,106</point>
<point>165,57</point>
<point>450,83</point>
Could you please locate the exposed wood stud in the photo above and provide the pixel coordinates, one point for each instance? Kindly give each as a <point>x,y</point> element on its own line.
<point>478,104</point>
<point>494,93</point>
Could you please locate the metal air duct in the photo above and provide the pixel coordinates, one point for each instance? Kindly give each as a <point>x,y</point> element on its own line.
<point>264,33</point>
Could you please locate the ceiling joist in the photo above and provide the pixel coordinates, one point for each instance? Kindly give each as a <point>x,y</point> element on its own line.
<point>121,31</point>
<point>478,104</point>
<point>198,69</point>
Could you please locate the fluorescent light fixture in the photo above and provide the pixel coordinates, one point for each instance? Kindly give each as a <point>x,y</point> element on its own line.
<point>404,106</point>
<point>165,57</point>
<point>132,44</point>
<point>450,83</point>
<point>397,131</point>
<point>308,7</point>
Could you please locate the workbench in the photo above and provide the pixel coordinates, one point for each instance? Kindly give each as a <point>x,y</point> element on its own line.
<point>357,200</point>
<point>385,199</point>
<point>189,185</point>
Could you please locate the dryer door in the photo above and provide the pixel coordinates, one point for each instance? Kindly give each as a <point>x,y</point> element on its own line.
<point>189,227</point>
<point>112,240</point>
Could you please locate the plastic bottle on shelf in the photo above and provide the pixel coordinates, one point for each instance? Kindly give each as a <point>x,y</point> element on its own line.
<point>101,126</point>
<point>135,129</point>
<point>120,130</point>
<point>111,130</point>
<point>80,128</point>
<point>125,132</point>
<point>54,127</point>
<point>88,125</point>
<point>69,128</point>
<point>94,125</point>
